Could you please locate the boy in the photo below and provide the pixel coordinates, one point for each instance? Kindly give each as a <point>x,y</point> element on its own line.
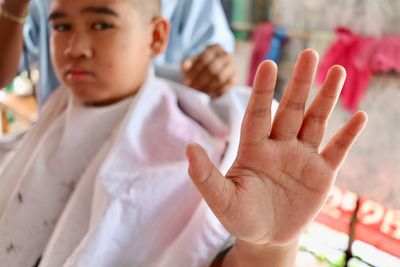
<point>123,198</point>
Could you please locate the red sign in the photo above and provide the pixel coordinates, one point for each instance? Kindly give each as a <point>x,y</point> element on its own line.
<point>376,225</point>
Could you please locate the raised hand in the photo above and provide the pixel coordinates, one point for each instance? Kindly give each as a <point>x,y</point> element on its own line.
<point>280,178</point>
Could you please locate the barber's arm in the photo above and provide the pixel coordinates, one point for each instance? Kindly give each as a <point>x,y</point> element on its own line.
<point>212,69</point>
<point>201,43</point>
<point>12,16</point>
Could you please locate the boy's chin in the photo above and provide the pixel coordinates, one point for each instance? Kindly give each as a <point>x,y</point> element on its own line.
<point>95,95</point>
<point>94,101</point>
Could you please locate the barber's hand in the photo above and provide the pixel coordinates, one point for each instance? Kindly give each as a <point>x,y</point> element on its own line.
<point>17,8</point>
<point>214,71</point>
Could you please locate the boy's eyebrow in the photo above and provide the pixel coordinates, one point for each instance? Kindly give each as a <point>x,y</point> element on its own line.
<point>100,10</point>
<point>91,9</point>
<point>56,15</point>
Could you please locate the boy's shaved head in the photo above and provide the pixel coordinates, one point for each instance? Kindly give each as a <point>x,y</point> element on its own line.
<point>126,35</point>
<point>150,8</point>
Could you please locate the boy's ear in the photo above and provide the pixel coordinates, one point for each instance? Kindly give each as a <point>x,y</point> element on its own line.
<point>160,35</point>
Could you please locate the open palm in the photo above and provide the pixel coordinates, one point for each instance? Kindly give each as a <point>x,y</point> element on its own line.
<point>280,178</point>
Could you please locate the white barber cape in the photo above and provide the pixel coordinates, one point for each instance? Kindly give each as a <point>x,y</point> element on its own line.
<point>109,186</point>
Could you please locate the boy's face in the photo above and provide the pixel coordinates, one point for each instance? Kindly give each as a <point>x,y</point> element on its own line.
<point>101,49</point>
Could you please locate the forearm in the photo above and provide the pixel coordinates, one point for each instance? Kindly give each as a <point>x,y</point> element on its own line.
<point>11,40</point>
<point>244,255</point>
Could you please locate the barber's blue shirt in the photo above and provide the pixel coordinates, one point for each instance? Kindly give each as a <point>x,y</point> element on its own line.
<point>194,26</point>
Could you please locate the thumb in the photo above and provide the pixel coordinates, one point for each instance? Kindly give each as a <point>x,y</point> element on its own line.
<point>187,64</point>
<point>212,185</point>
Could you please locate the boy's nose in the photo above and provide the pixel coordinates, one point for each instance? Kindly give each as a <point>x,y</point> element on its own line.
<point>79,47</point>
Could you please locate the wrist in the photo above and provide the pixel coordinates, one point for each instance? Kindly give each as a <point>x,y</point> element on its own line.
<point>267,248</point>
<point>265,255</point>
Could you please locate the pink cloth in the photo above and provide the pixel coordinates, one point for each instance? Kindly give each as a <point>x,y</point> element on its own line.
<point>261,45</point>
<point>345,51</point>
<point>387,55</point>
<point>360,56</point>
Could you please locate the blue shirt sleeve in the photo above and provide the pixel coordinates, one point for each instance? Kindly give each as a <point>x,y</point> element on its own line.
<point>36,40</point>
<point>31,37</point>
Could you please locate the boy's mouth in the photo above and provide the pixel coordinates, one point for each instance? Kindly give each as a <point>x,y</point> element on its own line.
<point>78,74</point>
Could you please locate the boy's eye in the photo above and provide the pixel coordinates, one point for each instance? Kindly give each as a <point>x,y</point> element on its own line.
<point>61,27</point>
<point>101,26</point>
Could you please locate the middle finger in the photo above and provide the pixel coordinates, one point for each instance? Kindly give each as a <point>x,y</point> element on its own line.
<point>290,113</point>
